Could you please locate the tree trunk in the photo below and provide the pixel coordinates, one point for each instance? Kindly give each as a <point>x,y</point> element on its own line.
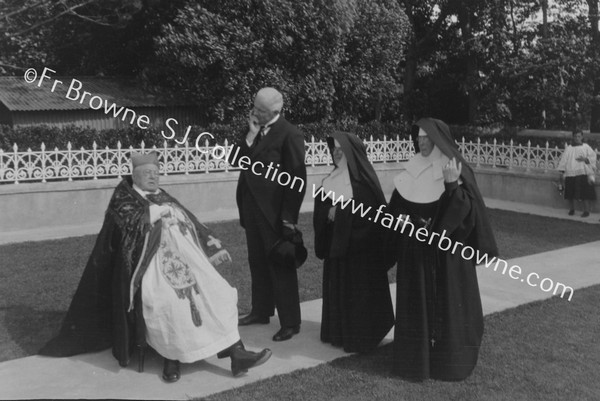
<point>544,4</point>
<point>595,51</point>
<point>410,74</point>
<point>472,76</point>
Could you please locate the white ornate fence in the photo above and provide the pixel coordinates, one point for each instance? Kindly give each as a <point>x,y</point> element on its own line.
<point>56,165</point>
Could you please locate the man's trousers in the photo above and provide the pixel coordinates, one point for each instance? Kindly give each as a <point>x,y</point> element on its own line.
<point>273,285</point>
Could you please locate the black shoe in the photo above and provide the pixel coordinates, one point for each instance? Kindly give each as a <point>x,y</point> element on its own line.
<point>285,333</point>
<point>585,214</point>
<point>571,212</point>
<point>253,319</point>
<point>171,371</point>
<point>226,353</point>
<point>242,360</point>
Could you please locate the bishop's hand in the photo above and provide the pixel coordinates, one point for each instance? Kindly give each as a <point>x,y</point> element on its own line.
<point>220,257</point>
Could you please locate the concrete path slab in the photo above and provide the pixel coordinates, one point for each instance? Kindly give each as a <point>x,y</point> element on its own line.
<point>545,211</point>
<point>96,376</point>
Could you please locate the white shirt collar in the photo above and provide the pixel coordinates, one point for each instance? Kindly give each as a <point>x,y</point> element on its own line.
<point>271,122</point>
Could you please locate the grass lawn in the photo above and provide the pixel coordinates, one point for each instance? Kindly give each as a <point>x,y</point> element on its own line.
<point>537,351</point>
<point>543,351</point>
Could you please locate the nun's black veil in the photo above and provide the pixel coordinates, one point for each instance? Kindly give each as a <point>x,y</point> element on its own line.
<point>439,133</point>
<point>359,166</point>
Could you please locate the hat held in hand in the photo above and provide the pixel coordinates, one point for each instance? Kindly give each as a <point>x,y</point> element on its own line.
<point>289,251</point>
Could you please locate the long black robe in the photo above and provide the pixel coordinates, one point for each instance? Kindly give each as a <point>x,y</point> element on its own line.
<point>439,318</point>
<point>357,308</point>
<point>98,316</point>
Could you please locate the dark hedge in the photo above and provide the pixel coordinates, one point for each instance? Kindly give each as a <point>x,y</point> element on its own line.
<point>32,137</point>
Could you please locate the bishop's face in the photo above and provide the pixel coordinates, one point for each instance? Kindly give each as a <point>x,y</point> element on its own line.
<point>425,144</point>
<point>146,177</point>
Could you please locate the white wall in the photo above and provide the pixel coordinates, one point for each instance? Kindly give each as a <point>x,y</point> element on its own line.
<point>61,209</point>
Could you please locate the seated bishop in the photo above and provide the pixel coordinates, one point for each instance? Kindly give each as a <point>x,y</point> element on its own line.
<point>150,281</point>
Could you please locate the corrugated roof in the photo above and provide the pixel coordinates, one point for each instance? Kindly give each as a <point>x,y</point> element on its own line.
<point>18,95</point>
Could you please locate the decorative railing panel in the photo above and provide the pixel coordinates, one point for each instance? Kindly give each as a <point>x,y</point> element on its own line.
<point>84,164</point>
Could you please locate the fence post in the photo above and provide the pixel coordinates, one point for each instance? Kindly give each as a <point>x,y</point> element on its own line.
<point>94,156</point>
<point>16,162</point>
<point>2,163</point>
<point>546,157</point>
<point>511,151</point>
<point>186,157</point>
<point>165,153</point>
<point>30,169</point>
<point>207,167</point>
<point>69,161</point>
<point>385,152</point>
<point>43,159</point>
<point>478,152</point>
<point>227,152</point>
<point>312,151</point>
<point>494,153</point>
<point>528,156</point>
<point>119,159</point>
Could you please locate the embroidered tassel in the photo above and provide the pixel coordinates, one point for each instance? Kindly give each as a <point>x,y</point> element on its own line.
<point>195,313</point>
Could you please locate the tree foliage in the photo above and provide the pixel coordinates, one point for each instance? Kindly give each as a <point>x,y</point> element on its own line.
<point>531,64</point>
<point>219,55</point>
<point>528,64</point>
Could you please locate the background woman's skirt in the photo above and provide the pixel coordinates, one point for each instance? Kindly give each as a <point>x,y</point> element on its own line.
<point>577,187</point>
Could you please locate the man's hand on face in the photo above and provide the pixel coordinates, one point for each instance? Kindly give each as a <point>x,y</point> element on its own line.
<point>253,127</point>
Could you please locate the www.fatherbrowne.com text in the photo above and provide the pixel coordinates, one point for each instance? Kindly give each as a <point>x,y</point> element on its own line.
<point>443,242</point>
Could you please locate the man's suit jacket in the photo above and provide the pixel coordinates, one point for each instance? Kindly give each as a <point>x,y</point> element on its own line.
<point>282,148</point>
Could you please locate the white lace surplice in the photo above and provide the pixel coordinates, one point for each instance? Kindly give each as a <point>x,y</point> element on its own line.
<point>189,309</point>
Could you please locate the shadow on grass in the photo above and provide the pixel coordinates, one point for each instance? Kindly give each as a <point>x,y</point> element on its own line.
<point>377,363</point>
<point>27,330</point>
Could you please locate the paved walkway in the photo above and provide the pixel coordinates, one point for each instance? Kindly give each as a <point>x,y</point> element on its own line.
<point>99,376</point>
<point>230,214</point>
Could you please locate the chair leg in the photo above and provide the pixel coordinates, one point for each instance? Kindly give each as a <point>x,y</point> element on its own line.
<point>141,356</point>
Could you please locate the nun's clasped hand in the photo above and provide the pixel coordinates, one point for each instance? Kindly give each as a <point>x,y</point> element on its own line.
<point>452,171</point>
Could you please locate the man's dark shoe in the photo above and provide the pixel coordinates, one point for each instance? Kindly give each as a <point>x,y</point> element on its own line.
<point>285,333</point>
<point>171,371</point>
<point>242,360</point>
<point>253,319</point>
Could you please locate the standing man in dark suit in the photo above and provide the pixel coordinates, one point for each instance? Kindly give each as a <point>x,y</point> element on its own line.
<point>269,196</point>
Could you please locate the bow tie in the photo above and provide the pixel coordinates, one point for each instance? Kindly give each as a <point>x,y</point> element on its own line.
<point>159,198</point>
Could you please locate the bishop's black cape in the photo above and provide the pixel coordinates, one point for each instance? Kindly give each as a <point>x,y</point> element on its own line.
<point>98,316</point>
<point>439,319</point>
<point>357,307</point>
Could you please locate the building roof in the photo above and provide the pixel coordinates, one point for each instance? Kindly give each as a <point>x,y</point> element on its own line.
<point>18,95</point>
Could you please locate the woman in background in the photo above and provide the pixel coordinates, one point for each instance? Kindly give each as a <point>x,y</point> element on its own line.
<point>357,306</point>
<point>439,318</point>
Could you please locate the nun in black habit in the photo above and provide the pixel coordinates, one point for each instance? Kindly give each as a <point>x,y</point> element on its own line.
<point>439,319</point>
<point>357,306</point>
